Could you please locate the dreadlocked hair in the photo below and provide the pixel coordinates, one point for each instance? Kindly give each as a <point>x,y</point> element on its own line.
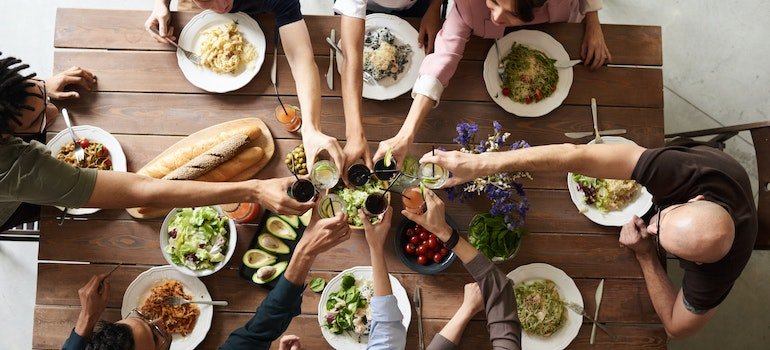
<point>13,92</point>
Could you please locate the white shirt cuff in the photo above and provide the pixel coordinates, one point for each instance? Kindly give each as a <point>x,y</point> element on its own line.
<point>590,6</point>
<point>385,309</point>
<point>429,86</point>
<point>351,8</point>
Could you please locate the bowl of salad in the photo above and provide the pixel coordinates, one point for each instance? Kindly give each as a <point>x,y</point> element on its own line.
<point>354,198</point>
<point>197,241</point>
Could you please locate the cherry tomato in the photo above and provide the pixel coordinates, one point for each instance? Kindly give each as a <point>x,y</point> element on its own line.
<point>432,243</point>
<point>410,249</point>
<point>414,240</point>
<point>432,236</point>
<point>422,260</point>
<point>528,99</point>
<point>84,143</point>
<point>423,236</point>
<point>444,252</point>
<point>538,95</point>
<point>437,258</point>
<point>506,91</point>
<point>422,250</point>
<point>104,152</point>
<point>108,164</point>
<point>410,232</point>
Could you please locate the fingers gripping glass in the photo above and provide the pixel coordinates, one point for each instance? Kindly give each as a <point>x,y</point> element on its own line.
<point>161,338</point>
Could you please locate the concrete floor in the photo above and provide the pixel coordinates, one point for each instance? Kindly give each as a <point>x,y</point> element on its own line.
<point>715,74</point>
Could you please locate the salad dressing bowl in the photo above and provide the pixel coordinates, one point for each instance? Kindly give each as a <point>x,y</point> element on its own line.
<point>227,251</point>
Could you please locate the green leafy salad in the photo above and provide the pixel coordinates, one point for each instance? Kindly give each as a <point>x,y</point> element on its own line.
<point>489,234</point>
<point>355,197</point>
<point>197,238</point>
<point>347,310</point>
<point>541,310</point>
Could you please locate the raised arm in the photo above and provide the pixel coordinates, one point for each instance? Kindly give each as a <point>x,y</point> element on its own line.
<point>602,161</point>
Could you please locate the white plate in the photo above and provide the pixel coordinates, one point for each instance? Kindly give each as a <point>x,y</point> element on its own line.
<point>567,291</point>
<point>206,79</point>
<point>93,134</point>
<point>140,288</point>
<point>343,341</point>
<point>536,40</point>
<point>231,242</point>
<point>638,207</point>
<point>389,88</point>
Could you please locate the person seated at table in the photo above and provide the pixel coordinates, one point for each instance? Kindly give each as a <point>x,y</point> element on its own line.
<point>295,40</point>
<point>489,19</point>
<point>31,177</point>
<point>272,318</point>
<point>494,286</point>
<point>705,214</point>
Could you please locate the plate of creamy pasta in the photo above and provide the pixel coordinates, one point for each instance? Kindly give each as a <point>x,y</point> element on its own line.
<point>102,152</point>
<point>188,324</point>
<point>231,47</point>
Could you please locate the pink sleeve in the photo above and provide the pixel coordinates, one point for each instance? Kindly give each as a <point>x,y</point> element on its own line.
<point>448,48</point>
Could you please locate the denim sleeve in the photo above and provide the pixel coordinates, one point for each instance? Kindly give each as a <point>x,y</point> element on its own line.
<point>387,331</point>
<point>75,342</point>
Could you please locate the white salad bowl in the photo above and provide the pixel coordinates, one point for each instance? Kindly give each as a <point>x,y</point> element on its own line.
<point>232,236</point>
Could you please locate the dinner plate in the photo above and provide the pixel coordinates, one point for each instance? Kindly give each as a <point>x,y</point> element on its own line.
<point>344,341</point>
<point>638,207</point>
<point>140,288</point>
<point>389,88</point>
<point>536,40</point>
<point>568,291</point>
<point>94,134</point>
<point>190,38</point>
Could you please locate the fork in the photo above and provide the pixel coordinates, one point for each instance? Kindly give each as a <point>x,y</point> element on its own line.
<point>579,310</point>
<point>176,301</point>
<point>368,78</point>
<point>500,66</point>
<point>598,139</point>
<point>80,154</point>
<point>189,54</point>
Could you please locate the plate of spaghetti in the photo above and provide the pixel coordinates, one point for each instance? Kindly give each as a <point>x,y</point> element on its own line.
<point>102,150</point>
<point>188,324</point>
<point>530,85</point>
<point>231,47</point>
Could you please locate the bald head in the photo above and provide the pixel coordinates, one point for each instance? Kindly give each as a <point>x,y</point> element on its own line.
<point>700,231</point>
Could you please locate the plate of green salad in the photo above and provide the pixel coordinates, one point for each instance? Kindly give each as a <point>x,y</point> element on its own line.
<point>344,314</point>
<point>354,198</point>
<point>541,291</point>
<point>197,241</point>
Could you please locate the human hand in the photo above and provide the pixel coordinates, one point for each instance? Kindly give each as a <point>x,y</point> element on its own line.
<point>377,234</point>
<point>473,301</point>
<point>93,300</point>
<point>160,19</point>
<point>356,148</point>
<point>323,234</point>
<point>272,194</point>
<point>399,147</point>
<point>593,50</point>
<point>433,219</point>
<point>290,342</point>
<point>634,236</point>
<point>463,167</point>
<point>315,142</point>
<point>55,85</point>
<point>429,27</point>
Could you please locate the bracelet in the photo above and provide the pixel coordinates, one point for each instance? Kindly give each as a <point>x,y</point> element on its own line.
<point>453,239</point>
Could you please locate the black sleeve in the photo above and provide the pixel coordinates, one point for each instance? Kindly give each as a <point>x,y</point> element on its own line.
<point>285,11</point>
<point>703,291</point>
<point>667,173</point>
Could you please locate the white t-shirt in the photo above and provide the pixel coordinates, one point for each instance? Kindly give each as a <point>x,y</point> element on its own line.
<point>357,8</point>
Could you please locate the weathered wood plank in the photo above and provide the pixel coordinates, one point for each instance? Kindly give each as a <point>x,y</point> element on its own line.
<point>124,30</point>
<point>129,71</point>
<point>442,294</point>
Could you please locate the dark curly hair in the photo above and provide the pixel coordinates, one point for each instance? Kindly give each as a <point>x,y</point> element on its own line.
<point>525,9</point>
<point>111,336</point>
<point>13,92</point>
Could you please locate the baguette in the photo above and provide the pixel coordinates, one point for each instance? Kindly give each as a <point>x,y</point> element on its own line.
<point>209,159</point>
<point>161,166</point>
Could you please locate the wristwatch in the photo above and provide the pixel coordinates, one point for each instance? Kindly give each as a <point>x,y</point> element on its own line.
<point>453,239</point>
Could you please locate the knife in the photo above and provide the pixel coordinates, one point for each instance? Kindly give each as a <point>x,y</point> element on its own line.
<point>599,292</point>
<point>418,308</point>
<point>582,134</point>
<point>566,64</point>
<point>274,68</point>
<point>330,72</point>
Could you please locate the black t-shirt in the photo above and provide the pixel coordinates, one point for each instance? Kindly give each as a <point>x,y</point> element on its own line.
<point>677,174</point>
<point>285,11</point>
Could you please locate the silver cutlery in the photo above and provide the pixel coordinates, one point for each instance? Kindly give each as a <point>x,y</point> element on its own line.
<point>368,78</point>
<point>330,72</point>
<point>189,54</point>
<point>598,139</point>
<point>101,284</point>
<point>176,301</point>
<point>582,134</point>
<point>80,154</point>
<point>500,66</point>
<point>274,69</point>
<point>566,64</point>
<point>418,308</point>
<point>580,311</point>
<point>598,296</point>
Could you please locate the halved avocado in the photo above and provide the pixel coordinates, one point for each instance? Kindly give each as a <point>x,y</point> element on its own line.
<point>280,228</point>
<point>266,274</point>
<point>293,220</point>
<point>272,244</point>
<point>305,218</point>
<point>256,258</point>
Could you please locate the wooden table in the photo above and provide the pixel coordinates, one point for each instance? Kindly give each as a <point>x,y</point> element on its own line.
<point>145,101</point>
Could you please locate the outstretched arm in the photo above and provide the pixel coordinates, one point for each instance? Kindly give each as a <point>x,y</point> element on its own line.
<point>352,89</point>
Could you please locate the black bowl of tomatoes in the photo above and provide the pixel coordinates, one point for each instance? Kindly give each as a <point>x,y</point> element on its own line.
<point>421,250</point>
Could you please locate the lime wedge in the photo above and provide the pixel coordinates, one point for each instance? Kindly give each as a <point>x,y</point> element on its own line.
<point>388,157</point>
